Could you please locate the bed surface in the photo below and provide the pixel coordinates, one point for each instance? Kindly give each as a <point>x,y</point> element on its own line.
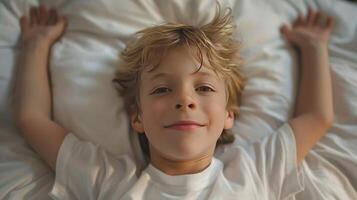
<point>83,64</point>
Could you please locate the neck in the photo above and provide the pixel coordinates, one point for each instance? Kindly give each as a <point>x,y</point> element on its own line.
<point>180,167</point>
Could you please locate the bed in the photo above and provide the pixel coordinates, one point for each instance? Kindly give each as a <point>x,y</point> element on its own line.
<point>83,63</point>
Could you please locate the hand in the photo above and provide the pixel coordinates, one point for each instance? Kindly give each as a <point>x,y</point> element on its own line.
<point>309,31</point>
<point>44,25</point>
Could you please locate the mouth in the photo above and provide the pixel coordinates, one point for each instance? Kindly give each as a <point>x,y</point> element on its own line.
<point>184,125</point>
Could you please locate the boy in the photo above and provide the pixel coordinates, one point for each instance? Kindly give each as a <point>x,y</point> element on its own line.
<point>185,96</point>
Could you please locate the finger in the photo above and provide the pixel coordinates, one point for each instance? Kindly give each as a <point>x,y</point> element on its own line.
<point>33,16</point>
<point>330,22</point>
<point>24,23</point>
<point>318,19</point>
<point>55,17</point>
<point>42,14</point>
<point>52,17</point>
<point>311,17</point>
<point>299,21</point>
<point>285,30</point>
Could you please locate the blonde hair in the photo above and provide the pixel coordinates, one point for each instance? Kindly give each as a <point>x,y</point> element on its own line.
<point>214,39</point>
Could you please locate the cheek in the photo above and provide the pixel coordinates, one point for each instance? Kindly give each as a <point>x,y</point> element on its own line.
<point>153,110</point>
<point>216,104</point>
<point>216,110</point>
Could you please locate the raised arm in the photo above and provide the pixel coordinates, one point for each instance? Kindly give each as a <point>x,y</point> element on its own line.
<point>314,108</point>
<point>31,95</point>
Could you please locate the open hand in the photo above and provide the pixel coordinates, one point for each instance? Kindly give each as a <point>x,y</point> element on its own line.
<point>314,29</point>
<point>43,24</point>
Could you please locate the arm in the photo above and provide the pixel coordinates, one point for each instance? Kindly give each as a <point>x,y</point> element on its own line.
<point>314,108</point>
<point>32,97</point>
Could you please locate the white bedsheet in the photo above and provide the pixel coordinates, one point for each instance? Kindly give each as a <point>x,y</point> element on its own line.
<point>83,63</point>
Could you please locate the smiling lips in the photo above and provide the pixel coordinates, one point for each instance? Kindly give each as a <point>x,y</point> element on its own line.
<point>184,125</point>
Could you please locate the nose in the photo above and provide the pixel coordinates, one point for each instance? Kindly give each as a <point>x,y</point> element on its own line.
<point>180,106</point>
<point>185,100</point>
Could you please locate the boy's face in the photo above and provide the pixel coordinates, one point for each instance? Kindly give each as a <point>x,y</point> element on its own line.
<point>182,113</point>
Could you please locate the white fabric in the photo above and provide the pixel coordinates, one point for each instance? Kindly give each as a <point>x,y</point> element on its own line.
<point>84,60</point>
<point>264,170</point>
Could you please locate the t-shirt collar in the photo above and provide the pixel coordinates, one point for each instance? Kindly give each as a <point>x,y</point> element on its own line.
<point>195,181</point>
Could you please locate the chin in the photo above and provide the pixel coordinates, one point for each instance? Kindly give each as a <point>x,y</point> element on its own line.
<point>186,154</point>
<point>183,150</point>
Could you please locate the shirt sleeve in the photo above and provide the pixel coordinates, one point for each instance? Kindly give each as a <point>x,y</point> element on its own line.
<point>86,171</point>
<point>275,158</point>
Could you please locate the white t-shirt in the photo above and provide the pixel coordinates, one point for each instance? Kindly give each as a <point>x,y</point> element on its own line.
<point>263,170</point>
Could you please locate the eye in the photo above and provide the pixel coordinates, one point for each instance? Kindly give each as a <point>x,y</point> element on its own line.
<point>161,90</point>
<point>205,89</point>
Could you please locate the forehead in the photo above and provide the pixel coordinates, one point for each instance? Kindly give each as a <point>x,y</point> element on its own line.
<point>162,75</point>
<point>181,61</point>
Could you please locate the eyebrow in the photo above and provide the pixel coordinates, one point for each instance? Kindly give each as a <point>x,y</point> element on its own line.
<point>162,75</point>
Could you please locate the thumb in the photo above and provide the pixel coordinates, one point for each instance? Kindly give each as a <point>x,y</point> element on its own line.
<point>288,33</point>
<point>58,29</point>
<point>61,24</point>
<point>285,30</point>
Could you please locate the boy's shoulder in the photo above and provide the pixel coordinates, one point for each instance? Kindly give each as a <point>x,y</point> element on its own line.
<point>268,164</point>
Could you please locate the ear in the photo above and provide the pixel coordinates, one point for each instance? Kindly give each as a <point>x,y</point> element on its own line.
<point>229,120</point>
<point>137,123</point>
